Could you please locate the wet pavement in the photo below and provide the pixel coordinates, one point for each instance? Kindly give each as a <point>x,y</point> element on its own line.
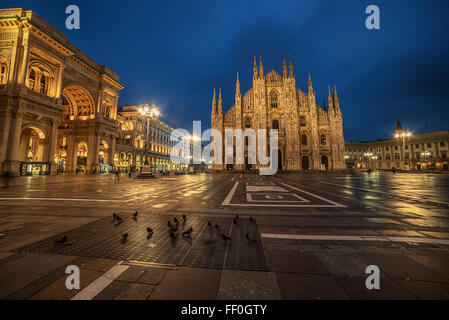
<point>311,237</point>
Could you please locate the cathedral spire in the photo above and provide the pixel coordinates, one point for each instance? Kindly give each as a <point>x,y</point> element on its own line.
<point>261,68</point>
<point>284,69</point>
<point>214,103</point>
<point>336,100</point>
<point>255,74</point>
<point>237,86</point>
<point>220,103</point>
<point>330,101</point>
<point>290,67</point>
<point>310,84</point>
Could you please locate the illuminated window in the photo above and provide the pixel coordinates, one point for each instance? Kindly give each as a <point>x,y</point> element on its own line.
<point>273,99</point>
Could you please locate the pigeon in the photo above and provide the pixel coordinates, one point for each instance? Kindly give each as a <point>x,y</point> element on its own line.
<point>175,220</point>
<point>149,230</point>
<point>188,232</point>
<point>184,218</point>
<point>114,215</point>
<point>234,221</point>
<point>125,237</point>
<point>209,224</point>
<point>251,219</point>
<point>63,240</point>
<point>217,226</point>
<point>237,216</point>
<point>118,218</point>
<point>248,238</point>
<point>135,214</point>
<point>173,235</point>
<point>225,237</point>
<point>169,224</point>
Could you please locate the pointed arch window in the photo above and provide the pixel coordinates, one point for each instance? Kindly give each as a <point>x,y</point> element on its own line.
<point>302,121</point>
<point>247,122</point>
<point>275,124</point>
<point>323,139</point>
<point>274,99</point>
<point>304,140</point>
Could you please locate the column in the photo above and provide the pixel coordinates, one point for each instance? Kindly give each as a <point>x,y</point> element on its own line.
<point>12,164</point>
<point>52,149</point>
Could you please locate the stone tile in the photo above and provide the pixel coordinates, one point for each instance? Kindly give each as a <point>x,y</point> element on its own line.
<point>101,265</point>
<point>132,274</point>
<point>41,283</point>
<point>10,283</point>
<point>248,285</point>
<point>113,290</point>
<point>425,290</point>
<point>294,261</point>
<point>152,276</point>
<point>438,264</point>
<point>356,289</point>
<point>36,264</point>
<point>345,264</point>
<point>309,287</point>
<point>58,291</point>
<point>136,291</point>
<point>188,283</point>
<point>438,235</point>
<point>401,267</point>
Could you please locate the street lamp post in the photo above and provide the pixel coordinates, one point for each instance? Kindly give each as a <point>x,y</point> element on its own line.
<point>402,136</point>
<point>149,112</point>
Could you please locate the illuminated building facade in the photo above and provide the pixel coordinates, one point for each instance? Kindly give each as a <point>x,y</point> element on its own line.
<point>406,151</point>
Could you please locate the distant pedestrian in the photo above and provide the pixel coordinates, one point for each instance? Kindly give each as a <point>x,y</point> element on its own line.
<point>394,170</point>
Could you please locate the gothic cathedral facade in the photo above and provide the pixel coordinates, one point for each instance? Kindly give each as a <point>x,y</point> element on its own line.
<point>310,137</point>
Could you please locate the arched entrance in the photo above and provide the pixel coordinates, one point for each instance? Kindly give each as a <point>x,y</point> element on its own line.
<point>80,103</point>
<point>305,163</point>
<point>81,157</point>
<point>325,162</point>
<point>33,151</point>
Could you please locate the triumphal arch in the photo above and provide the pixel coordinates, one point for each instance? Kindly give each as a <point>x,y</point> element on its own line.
<point>58,107</point>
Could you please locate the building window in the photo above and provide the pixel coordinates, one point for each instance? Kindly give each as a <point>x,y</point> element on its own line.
<point>388,157</point>
<point>444,155</point>
<point>406,147</point>
<point>247,122</point>
<point>302,121</point>
<point>416,146</point>
<point>387,148</point>
<point>3,73</point>
<point>395,147</point>
<point>442,144</point>
<point>323,139</point>
<point>274,99</point>
<point>32,79</point>
<point>429,145</point>
<point>407,156</point>
<point>43,86</point>
<point>304,140</point>
<point>379,157</point>
<point>397,156</point>
<point>275,125</point>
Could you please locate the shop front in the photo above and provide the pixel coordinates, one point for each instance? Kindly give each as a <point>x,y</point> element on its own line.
<point>35,168</point>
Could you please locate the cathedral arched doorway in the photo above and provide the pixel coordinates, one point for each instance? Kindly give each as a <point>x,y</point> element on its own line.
<point>305,163</point>
<point>325,162</point>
